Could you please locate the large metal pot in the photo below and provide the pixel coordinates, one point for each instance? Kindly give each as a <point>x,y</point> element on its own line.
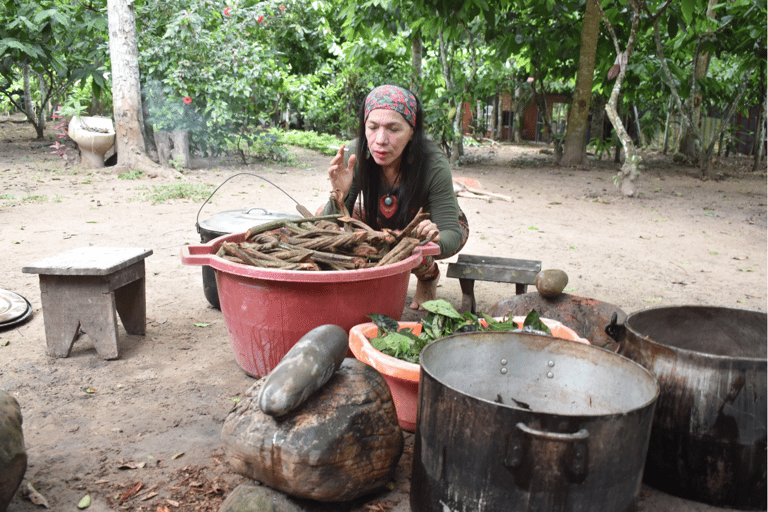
<point>522,422</point>
<point>231,222</point>
<point>708,441</point>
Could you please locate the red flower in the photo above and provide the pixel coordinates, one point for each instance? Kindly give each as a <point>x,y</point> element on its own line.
<point>227,10</point>
<point>282,8</point>
<point>187,100</point>
<point>260,19</point>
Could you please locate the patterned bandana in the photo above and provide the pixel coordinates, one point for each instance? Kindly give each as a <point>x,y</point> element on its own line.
<point>392,97</point>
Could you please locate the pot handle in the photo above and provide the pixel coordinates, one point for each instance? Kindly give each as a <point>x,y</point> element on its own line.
<point>575,443</point>
<point>616,330</point>
<point>197,219</point>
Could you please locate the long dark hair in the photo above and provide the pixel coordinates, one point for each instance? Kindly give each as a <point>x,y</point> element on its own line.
<point>411,191</point>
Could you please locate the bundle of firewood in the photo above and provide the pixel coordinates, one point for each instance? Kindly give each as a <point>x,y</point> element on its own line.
<point>321,243</point>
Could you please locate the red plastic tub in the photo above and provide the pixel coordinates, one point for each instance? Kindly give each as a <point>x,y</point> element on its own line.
<point>267,311</point>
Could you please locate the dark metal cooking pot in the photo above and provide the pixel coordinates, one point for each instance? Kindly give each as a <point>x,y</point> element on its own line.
<point>228,223</point>
<point>708,441</point>
<point>522,422</point>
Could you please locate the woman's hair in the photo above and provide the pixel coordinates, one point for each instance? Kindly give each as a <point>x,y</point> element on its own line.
<point>411,193</point>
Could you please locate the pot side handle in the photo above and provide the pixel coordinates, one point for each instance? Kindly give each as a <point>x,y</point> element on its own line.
<point>521,447</point>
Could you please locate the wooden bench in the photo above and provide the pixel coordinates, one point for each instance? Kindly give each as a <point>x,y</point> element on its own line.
<point>87,287</point>
<point>469,268</point>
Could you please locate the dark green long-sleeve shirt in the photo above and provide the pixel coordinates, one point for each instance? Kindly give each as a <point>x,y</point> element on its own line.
<point>441,199</point>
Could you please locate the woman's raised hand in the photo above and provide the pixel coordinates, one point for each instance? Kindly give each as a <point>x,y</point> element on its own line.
<point>340,176</point>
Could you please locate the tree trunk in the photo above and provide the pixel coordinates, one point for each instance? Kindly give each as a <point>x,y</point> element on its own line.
<point>665,143</point>
<point>29,108</point>
<point>126,87</point>
<point>760,135</point>
<point>575,148</point>
<point>519,113</point>
<point>416,60</point>
<point>690,144</point>
<point>706,158</point>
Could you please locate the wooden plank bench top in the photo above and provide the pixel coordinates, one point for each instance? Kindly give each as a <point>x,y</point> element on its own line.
<point>89,287</point>
<point>470,268</point>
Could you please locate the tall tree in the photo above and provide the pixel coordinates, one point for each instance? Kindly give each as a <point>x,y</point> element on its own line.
<point>575,146</point>
<point>126,85</point>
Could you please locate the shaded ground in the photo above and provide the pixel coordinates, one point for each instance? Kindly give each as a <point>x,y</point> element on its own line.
<point>154,416</point>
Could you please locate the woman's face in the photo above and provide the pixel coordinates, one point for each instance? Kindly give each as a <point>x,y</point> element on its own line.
<point>387,133</point>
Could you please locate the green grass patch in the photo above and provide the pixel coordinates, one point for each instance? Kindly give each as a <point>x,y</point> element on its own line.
<point>159,194</point>
<point>10,200</point>
<point>135,174</point>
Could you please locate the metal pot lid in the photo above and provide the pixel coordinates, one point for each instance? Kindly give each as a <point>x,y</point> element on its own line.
<point>239,221</point>
<point>13,308</point>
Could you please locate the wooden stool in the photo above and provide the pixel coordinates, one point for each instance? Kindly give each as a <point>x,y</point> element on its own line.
<point>470,268</point>
<point>85,287</point>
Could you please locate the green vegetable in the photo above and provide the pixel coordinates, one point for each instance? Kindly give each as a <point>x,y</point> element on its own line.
<point>443,320</point>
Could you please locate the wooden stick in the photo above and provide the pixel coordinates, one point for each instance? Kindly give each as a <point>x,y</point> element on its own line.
<point>420,216</point>
<point>401,251</point>
<point>280,223</point>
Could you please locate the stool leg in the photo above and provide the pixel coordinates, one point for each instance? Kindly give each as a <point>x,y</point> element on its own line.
<point>467,295</point>
<point>100,323</point>
<point>61,326</point>
<point>131,305</point>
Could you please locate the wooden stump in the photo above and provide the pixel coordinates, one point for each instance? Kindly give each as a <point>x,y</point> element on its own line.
<point>163,144</point>
<point>342,443</point>
<point>180,151</point>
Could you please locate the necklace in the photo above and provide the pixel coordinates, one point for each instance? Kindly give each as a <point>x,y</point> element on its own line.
<point>388,202</point>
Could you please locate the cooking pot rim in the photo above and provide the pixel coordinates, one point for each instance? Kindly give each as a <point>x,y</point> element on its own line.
<point>650,402</point>
<point>687,351</point>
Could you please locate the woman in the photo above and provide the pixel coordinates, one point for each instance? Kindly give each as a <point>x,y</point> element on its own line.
<point>392,171</point>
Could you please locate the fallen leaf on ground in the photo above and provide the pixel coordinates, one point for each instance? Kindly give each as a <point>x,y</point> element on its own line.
<point>84,502</point>
<point>37,498</point>
<point>131,465</point>
<point>131,491</point>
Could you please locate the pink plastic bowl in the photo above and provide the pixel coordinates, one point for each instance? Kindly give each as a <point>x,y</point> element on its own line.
<point>267,311</point>
<point>403,377</point>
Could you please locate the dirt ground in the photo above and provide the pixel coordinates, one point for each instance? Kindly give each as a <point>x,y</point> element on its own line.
<point>143,432</point>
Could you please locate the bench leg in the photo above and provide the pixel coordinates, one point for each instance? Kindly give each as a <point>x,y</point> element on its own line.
<point>467,295</point>
<point>131,304</point>
<point>520,288</point>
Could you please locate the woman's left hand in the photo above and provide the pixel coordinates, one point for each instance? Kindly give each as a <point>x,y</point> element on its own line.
<point>427,230</point>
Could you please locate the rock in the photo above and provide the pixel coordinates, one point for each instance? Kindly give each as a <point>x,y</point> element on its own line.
<point>258,498</point>
<point>342,443</point>
<point>588,317</point>
<point>13,455</point>
<point>550,283</point>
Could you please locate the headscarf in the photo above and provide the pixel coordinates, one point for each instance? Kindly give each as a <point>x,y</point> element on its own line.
<point>392,97</point>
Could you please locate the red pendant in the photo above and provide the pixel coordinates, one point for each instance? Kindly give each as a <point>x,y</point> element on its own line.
<point>388,205</point>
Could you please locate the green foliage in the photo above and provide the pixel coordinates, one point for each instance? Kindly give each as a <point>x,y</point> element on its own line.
<point>443,320</point>
<point>321,142</point>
